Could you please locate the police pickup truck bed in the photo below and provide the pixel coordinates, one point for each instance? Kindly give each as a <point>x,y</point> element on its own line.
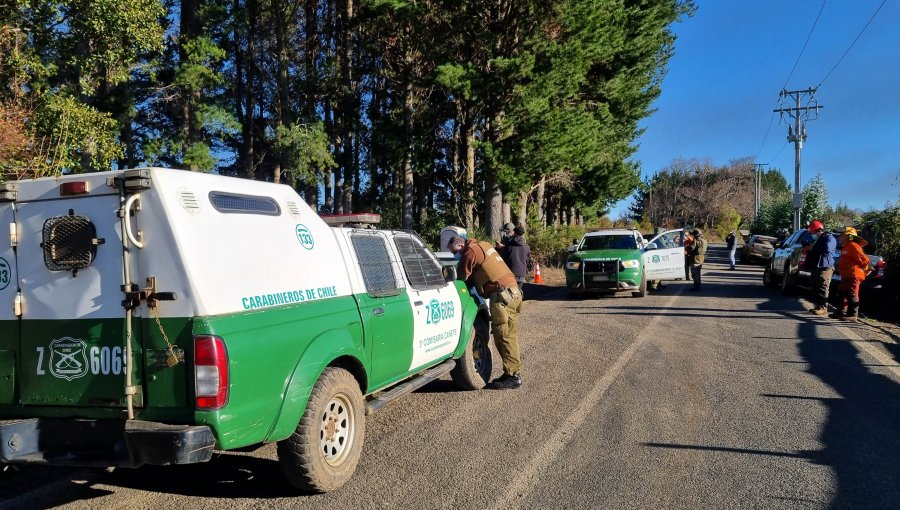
<point>152,316</point>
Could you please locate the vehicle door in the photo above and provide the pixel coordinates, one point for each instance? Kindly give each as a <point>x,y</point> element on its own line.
<point>9,323</point>
<point>783,254</point>
<point>435,303</point>
<point>663,257</point>
<point>70,262</point>
<point>384,307</point>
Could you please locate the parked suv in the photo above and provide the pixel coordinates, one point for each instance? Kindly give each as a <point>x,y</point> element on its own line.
<point>757,248</point>
<point>785,268</point>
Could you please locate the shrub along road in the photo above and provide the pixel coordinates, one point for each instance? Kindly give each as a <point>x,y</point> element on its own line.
<point>733,397</point>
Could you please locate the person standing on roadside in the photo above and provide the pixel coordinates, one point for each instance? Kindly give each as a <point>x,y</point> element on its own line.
<point>852,266</point>
<point>696,253</point>
<point>505,234</point>
<point>731,243</point>
<point>517,254</point>
<point>820,264</point>
<point>686,235</point>
<point>481,266</point>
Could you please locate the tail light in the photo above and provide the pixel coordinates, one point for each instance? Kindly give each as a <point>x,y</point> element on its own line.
<point>210,372</point>
<point>879,269</point>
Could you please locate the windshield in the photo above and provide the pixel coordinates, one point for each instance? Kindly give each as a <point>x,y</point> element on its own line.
<point>609,242</point>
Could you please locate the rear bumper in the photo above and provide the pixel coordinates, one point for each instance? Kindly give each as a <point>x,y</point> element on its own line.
<point>77,442</point>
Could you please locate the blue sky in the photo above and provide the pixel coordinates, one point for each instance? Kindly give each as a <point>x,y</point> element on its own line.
<point>733,57</point>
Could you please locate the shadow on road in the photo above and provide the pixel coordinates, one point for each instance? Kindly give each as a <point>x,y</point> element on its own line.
<point>226,476</point>
<point>859,437</point>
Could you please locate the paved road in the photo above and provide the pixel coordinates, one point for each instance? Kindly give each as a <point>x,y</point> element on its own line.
<point>733,397</point>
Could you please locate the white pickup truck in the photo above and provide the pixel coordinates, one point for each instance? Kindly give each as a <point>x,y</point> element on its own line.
<point>152,316</point>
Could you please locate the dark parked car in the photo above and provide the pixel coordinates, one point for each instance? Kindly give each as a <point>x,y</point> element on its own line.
<point>785,268</point>
<point>757,248</point>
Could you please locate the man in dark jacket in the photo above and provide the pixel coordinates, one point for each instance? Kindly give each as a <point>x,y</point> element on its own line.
<point>731,243</point>
<point>695,255</point>
<point>517,254</point>
<point>820,264</point>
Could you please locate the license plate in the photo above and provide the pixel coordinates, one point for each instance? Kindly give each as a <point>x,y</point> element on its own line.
<point>600,278</point>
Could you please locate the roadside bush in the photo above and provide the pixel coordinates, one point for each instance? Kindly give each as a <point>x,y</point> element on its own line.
<point>882,229</point>
<point>727,221</point>
<point>549,244</point>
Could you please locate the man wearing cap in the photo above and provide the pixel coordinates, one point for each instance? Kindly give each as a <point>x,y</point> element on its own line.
<point>820,264</point>
<point>696,253</point>
<point>852,266</point>
<point>481,266</point>
<point>506,233</point>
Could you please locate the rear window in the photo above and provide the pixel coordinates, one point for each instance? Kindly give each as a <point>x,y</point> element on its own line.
<point>609,242</point>
<point>234,203</point>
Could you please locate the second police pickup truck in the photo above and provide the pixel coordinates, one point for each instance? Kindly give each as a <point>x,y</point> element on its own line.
<point>618,260</point>
<point>153,316</point>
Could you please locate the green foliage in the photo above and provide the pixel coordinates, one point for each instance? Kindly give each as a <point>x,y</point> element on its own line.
<point>106,37</point>
<point>727,221</point>
<point>815,200</point>
<point>775,213</point>
<point>198,156</point>
<point>882,230</point>
<point>549,244</point>
<point>198,71</point>
<point>304,149</point>
<point>78,137</point>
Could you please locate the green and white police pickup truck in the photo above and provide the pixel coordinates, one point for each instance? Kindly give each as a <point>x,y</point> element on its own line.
<point>153,316</point>
<point>617,260</point>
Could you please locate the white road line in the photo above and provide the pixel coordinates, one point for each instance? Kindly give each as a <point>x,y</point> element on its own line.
<point>869,348</point>
<point>527,479</point>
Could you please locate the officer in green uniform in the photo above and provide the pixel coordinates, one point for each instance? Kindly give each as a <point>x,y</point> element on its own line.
<point>482,267</point>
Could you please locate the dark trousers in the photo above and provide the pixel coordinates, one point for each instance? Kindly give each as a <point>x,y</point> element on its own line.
<point>821,281</point>
<point>848,290</point>
<point>687,271</point>
<point>695,272</point>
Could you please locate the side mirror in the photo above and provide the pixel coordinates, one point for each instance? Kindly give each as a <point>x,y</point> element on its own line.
<point>449,273</point>
<point>572,249</point>
<point>651,246</point>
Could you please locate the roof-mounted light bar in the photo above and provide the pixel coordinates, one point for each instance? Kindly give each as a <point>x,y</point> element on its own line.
<point>351,220</point>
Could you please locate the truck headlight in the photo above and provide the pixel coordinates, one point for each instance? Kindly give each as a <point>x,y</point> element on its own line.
<point>630,263</point>
<point>573,264</point>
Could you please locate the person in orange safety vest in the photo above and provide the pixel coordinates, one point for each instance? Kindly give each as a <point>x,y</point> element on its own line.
<point>853,265</point>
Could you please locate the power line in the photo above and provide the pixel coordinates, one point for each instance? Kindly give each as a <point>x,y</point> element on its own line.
<point>777,154</point>
<point>805,43</point>
<point>783,87</point>
<point>851,44</point>
<point>765,137</point>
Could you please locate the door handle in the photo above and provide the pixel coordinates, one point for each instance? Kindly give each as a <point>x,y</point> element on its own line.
<point>378,310</point>
<point>418,303</point>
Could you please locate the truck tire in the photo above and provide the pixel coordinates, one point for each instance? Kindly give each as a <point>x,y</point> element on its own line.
<point>473,368</point>
<point>322,453</point>
<point>642,290</point>
<point>787,286</point>
<point>769,277</point>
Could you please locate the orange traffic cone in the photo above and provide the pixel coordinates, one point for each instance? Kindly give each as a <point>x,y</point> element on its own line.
<point>537,273</point>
